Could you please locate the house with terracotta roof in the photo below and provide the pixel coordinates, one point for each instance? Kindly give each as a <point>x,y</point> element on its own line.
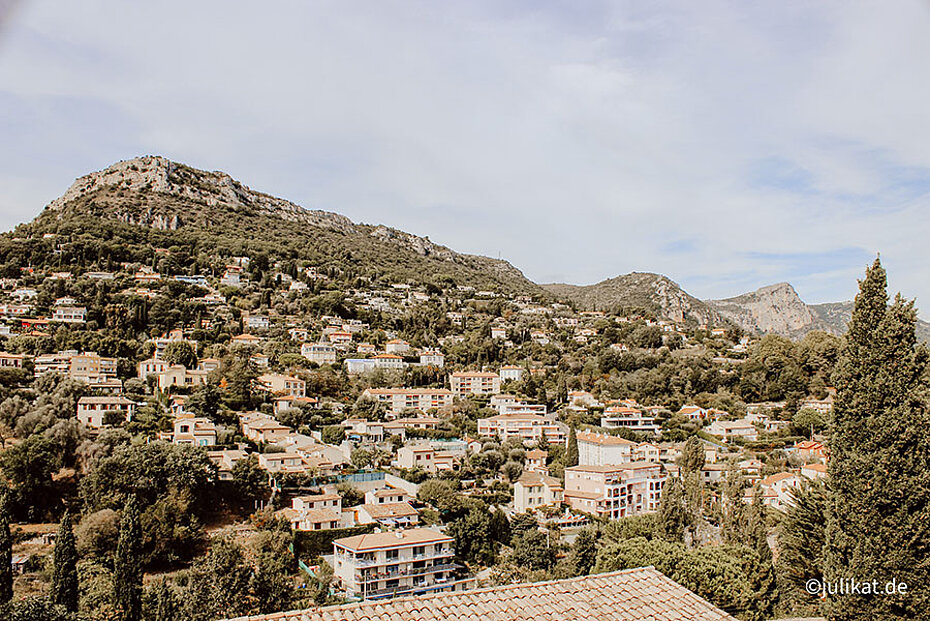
<point>95,412</point>
<point>728,430</point>
<point>387,515</point>
<point>642,594</point>
<point>776,490</point>
<point>534,490</point>
<point>814,471</point>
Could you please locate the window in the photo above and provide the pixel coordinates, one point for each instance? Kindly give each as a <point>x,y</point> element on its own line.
<point>391,554</point>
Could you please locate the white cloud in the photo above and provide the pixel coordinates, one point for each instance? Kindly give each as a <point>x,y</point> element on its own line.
<point>696,139</point>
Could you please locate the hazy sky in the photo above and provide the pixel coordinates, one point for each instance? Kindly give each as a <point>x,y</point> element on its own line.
<point>728,145</point>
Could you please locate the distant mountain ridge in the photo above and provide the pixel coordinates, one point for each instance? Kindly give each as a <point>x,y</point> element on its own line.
<point>156,193</point>
<point>203,210</point>
<point>651,292</point>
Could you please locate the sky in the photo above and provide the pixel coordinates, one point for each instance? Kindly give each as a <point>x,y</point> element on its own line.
<point>727,145</point>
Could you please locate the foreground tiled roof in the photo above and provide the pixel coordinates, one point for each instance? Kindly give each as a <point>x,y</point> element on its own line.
<point>631,595</point>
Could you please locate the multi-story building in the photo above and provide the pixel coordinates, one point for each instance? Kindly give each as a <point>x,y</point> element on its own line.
<point>400,399</point>
<point>614,491</point>
<point>69,314</point>
<point>533,490</point>
<point>511,373</point>
<point>95,412</point>
<point>621,416</point>
<point>401,562</point>
<point>320,353</point>
<point>432,358</point>
<point>530,428</point>
<point>195,431</point>
<point>601,449</point>
<point>179,375</point>
<point>386,362</point>
<point>730,429</point>
<point>91,368</point>
<point>475,383</point>
<point>426,457</point>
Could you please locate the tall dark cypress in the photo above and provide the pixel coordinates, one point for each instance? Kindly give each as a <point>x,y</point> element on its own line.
<point>64,572</point>
<point>571,450</point>
<point>6,548</point>
<point>127,565</point>
<point>878,509</point>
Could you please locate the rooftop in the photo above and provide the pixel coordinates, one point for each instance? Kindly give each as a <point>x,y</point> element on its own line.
<point>629,595</point>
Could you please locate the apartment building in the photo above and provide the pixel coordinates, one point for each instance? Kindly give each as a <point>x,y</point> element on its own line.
<point>11,361</point>
<point>614,491</point>
<point>402,562</point>
<point>623,417</point>
<point>426,457</point>
<point>727,430</point>
<point>400,399</point>
<point>95,412</point>
<point>601,449</point>
<point>475,383</point>
<point>530,428</point>
<point>90,368</point>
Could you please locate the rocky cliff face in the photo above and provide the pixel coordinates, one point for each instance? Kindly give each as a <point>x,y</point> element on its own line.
<point>156,193</point>
<point>652,292</point>
<point>776,309</point>
<point>160,176</point>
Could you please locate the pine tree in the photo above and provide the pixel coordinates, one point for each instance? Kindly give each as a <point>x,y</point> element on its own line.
<point>692,456</point>
<point>878,510</point>
<point>127,565</point>
<point>800,547</point>
<point>571,451</point>
<point>6,548</point>
<point>64,572</point>
<point>674,517</point>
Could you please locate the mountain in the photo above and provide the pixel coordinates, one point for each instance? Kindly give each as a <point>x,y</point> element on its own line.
<point>776,309</point>
<point>202,211</point>
<point>640,290</point>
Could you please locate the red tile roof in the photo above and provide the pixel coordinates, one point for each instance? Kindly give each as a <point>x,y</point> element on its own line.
<point>629,595</point>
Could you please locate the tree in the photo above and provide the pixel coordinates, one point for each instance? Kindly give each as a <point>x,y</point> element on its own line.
<point>472,541</point>
<point>585,551</point>
<point>521,523</point>
<point>29,467</point>
<point>808,421</point>
<point>801,547</point>
<point>692,456</point>
<point>333,434</point>
<point>878,517</point>
<point>571,452</point>
<point>161,603</point>
<point>674,517</point>
<point>250,481</point>
<point>6,548</point>
<point>499,527</point>
<point>127,565</point>
<point>181,352</point>
<point>533,550</point>
<point>64,569</point>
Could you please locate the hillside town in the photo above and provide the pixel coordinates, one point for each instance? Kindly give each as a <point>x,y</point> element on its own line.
<point>405,439</point>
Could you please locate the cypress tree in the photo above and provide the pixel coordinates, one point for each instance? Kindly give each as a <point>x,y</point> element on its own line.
<point>64,573</point>
<point>878,508</point>
<point>127,565</point>
<point>6,549</point>
<point>571,451</point>
<point>674,517</point>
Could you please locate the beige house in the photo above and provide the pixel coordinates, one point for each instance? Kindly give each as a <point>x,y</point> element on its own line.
<point>94,411</point>
<point>533,490</point>
<point>195,431</point>
<point>388,514</point>
<point>280,384</point>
